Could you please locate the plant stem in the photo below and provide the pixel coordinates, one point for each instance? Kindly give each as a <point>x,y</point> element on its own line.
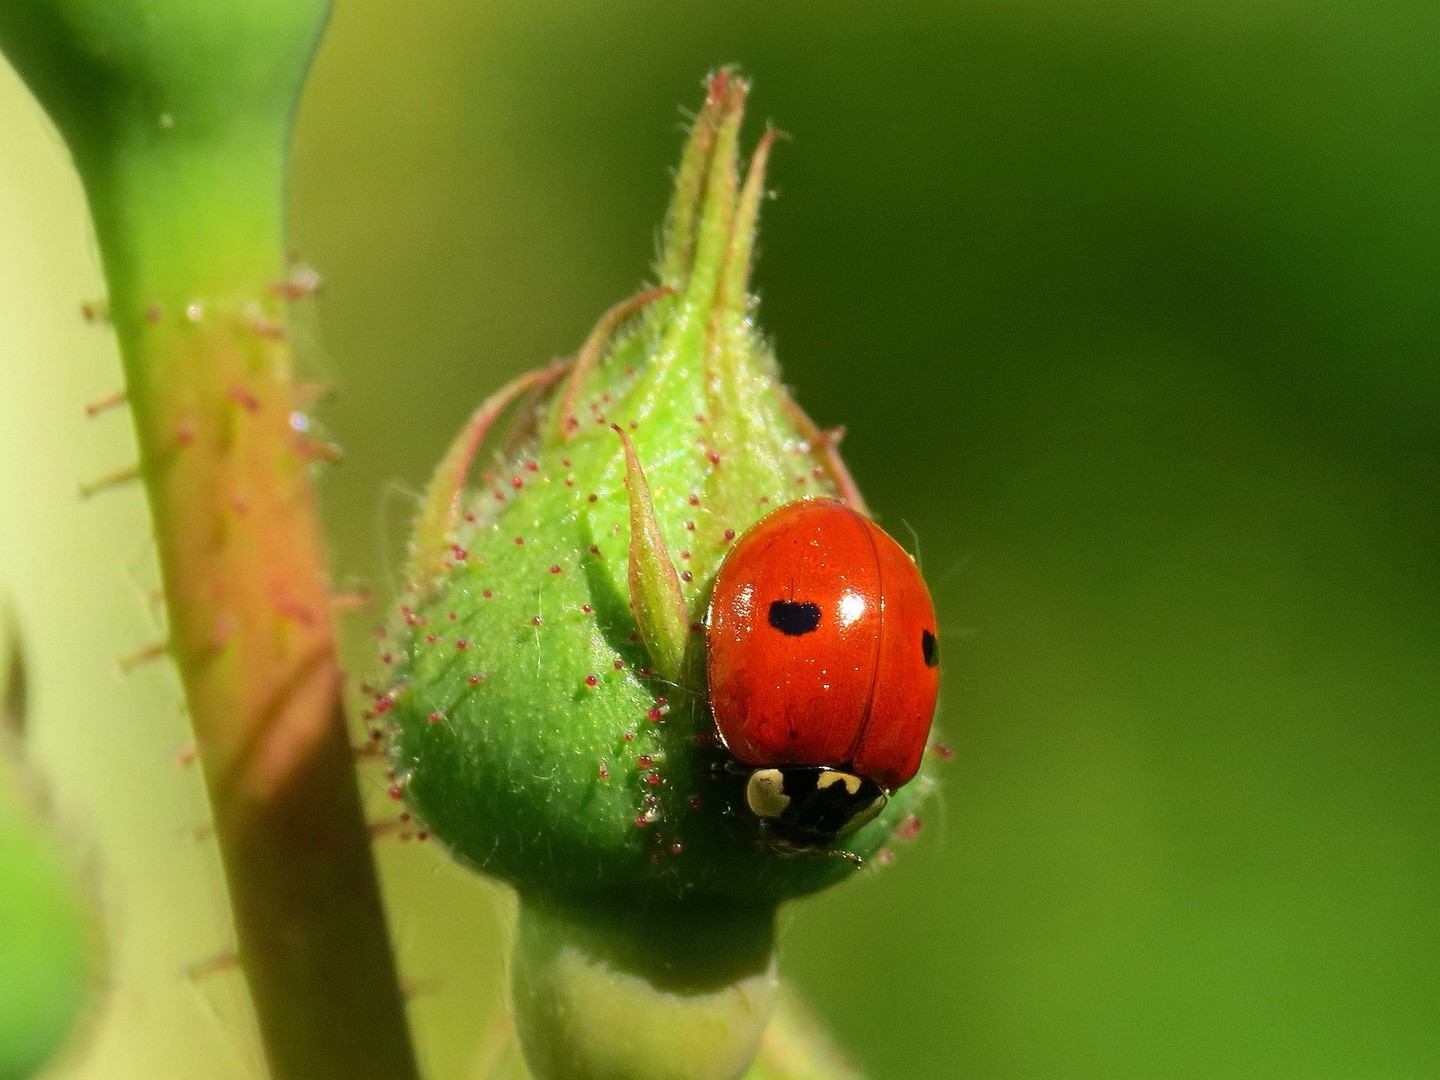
<point>208,375</point>
<point>794,1047</point>
<point>642,994</point>
<point>178,116</point>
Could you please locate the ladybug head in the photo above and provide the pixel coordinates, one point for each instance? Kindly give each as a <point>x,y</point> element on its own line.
<point>804,807</point>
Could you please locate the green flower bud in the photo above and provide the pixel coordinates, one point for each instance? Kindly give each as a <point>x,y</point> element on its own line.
<point>545,677</point>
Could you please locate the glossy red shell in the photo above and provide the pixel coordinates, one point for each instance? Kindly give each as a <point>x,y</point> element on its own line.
<point>822,647</point>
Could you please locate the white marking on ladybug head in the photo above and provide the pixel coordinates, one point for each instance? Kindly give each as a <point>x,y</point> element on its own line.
<point>833,776</point>
<point>765,793</point>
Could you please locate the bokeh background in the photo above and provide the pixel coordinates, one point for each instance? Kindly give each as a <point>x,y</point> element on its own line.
<point>1131,310</point>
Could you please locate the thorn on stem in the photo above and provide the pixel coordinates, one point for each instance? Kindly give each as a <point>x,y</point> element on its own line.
<point>144,655</point>
<point>398,827</point>
<point>317,450</point>
<point>118,478</point>
<point>370,751</point>
<point>218,964</point>
<point>112,400</point>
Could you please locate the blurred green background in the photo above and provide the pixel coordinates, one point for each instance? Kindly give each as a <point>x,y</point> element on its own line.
<point>1133,313</point>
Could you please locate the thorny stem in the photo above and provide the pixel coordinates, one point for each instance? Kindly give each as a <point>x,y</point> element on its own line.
<point>251,632</point>
<point>179,118</point>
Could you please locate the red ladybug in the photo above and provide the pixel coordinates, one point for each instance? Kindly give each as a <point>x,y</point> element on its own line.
<point>823,667</point>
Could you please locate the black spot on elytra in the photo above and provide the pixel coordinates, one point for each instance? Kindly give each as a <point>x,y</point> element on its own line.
<point>930,648</point>
<point>794,618</point>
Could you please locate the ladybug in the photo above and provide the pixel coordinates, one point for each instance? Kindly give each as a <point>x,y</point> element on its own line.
<point>823,666</point>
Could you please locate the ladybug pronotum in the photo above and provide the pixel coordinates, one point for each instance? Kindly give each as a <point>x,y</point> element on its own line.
<point>823,666</point>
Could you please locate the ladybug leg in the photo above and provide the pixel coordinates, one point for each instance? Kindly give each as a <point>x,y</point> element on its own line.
<point>654,584</point>
<point>730,767</point>
<point>772,837</point>
<point>440,509</point>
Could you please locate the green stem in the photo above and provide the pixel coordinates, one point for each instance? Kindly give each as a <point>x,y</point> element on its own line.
<point>794,1047</point>
<point>643,994</point>
<point>179,119</point>
<point>192,242</point>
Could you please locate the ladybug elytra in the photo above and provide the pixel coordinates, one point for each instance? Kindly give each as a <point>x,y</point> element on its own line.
<point>823,665</point>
